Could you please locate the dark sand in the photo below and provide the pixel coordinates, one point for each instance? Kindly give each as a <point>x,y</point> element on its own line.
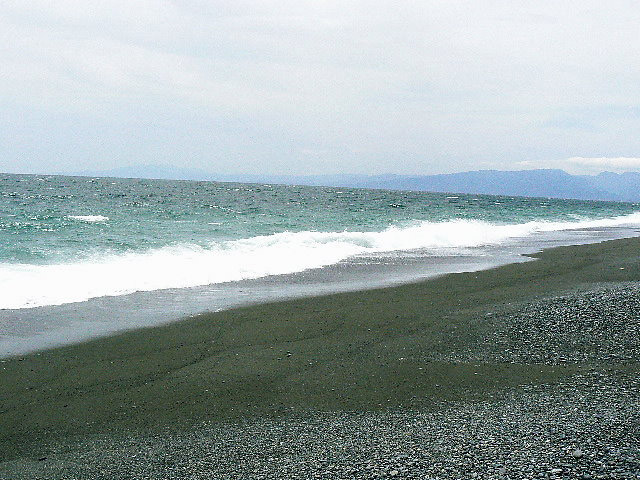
<point>399,349</point>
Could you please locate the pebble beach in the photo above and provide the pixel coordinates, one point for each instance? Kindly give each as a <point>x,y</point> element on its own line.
<point>576,418</point>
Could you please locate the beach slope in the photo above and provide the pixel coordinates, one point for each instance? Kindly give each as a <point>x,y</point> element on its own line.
<point>457,340</point>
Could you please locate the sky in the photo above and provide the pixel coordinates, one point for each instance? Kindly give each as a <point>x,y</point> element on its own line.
<point>311,87</point>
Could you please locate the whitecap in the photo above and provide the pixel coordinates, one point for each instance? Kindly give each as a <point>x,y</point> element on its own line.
<point>89,218</point>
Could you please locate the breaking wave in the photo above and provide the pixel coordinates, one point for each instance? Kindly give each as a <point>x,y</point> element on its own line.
<point>89,218</point>
<point>181,266</point>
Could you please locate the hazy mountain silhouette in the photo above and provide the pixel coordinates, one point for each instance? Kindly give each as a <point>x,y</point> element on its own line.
<point>527,183</point>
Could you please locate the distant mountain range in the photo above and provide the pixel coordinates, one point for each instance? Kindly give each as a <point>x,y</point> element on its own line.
<point>549,183</point>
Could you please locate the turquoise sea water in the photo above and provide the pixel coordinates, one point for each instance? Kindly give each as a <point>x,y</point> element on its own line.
<point>70,239</point>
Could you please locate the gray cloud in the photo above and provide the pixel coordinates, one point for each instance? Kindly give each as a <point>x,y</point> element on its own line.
<point>281,87</point>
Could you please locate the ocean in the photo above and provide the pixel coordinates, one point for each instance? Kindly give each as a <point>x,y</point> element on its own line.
<point>82,257</point>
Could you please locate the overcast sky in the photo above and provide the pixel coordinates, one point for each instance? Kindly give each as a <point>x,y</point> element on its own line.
<point>320,87</point>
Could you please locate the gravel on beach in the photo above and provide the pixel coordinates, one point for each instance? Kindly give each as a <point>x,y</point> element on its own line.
<point>584,427</point>
<point>599,326</point>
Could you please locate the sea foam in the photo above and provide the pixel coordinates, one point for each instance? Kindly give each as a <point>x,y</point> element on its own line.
<point>181,266</point>
<point>89,218</point>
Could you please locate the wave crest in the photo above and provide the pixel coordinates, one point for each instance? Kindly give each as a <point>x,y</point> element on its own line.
<point>89,218</point>
<point>181,266</point>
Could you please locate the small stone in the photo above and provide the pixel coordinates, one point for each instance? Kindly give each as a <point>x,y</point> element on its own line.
<point>577,453</point>
<point>393,473</point>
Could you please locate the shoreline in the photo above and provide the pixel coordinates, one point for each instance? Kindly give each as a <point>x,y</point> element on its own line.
<point>218,297</point>
<point>400,348</point>
<point>43,328</point>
